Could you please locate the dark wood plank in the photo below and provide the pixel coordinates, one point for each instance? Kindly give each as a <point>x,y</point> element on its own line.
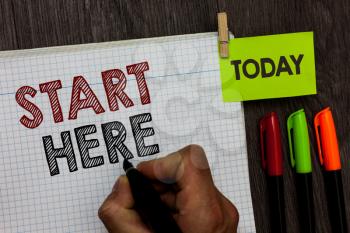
<point>8,37</point>
<point>41,23</point>
<point>329,22</point>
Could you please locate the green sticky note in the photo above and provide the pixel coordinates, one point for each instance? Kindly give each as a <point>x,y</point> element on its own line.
<point>266,67</point>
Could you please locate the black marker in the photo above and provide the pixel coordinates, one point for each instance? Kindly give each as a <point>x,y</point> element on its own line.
<point>148,204</point>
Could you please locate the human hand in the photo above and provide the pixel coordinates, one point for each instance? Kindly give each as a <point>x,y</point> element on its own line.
<point>185,184</point>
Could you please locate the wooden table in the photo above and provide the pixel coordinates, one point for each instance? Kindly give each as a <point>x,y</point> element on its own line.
<point>38,23</point>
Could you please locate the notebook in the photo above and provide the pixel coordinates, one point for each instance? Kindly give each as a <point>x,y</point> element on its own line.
<point>69,114</point>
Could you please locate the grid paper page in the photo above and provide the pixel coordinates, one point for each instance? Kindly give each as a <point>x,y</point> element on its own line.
<point>186,107</point>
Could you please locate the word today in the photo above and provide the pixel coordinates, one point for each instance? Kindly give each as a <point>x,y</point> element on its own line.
<point>272,66</point>
<point>266,67</point>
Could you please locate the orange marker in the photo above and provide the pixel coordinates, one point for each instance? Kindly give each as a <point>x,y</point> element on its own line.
<point>328,152</point>
<point>327,143</point>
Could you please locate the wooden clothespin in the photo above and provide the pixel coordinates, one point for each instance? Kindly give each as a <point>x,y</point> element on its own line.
<point>223,34</point>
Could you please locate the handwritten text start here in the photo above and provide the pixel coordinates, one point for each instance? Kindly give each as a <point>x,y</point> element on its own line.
<point>114,133</point>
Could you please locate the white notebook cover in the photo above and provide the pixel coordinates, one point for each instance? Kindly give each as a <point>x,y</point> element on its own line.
<point>185,103</point>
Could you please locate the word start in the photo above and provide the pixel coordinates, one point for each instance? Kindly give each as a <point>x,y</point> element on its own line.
<point>114,133</point>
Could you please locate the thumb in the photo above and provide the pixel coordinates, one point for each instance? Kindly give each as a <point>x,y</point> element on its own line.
<point>116,211</point>
<point>186,167</point>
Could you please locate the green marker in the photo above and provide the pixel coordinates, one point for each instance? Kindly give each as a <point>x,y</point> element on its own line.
<point>299,147</point>
<point>299,143</point>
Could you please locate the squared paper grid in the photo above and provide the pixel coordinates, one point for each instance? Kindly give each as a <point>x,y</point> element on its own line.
<point>186,107</point>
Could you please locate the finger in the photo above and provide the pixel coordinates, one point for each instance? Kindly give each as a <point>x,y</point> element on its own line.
<point>164,169</point>
<point>121,193</point>
<point>116,211</point>
<point>162,187</point>
<point>186,167</point>
<point>231,209</point>
<point>126,221</point>
<point>169,199</point>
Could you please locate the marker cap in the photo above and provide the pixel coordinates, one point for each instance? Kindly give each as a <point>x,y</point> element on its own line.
<point>270,141</point>
<point>327,142</point>
<point>299,142</point>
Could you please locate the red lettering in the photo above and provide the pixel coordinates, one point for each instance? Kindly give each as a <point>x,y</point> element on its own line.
<point>51,89</point>
<point>115,91</point>
<point>29,106</point>
<point>81,86</point>
<point>138,70</point>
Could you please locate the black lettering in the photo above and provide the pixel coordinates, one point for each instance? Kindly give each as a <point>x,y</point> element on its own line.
<point>283,66</point>
<point>84,146</point>
<point>114,143</point>
<point>141,133</point>
<point>245,71</point>
<point>264,73</point>
<point>236,64</point>
<point>53,153</point>
<point>297,62</point>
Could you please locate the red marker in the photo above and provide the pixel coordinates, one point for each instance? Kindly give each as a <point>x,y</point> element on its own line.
<point>272,163</point>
